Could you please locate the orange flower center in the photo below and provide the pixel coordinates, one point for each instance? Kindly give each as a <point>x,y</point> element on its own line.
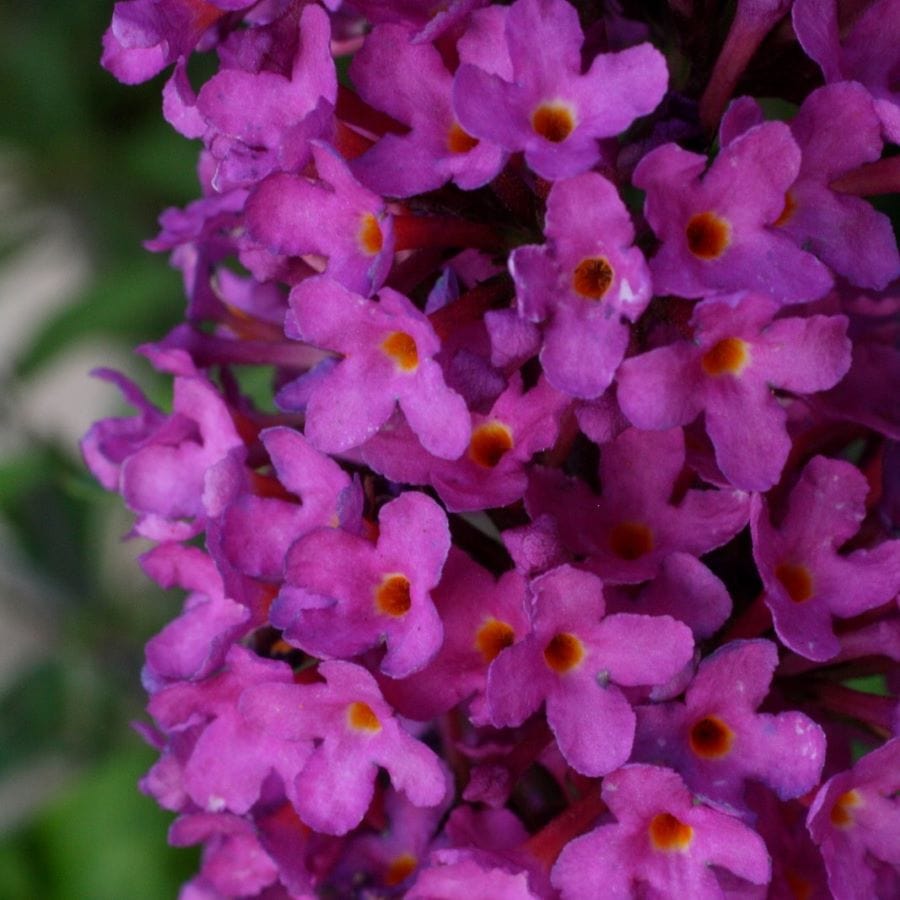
<point>493,637</point>
<point>592,277</point>
<point>392,595</point>
<point>361,717</point>
<point>796,580</point>
<point>841,815</point>
<point>729,356</point>
<point>631,540</point>
<point>490,442</point>
<point>708,235</point>
<point>203,14</point>
<point>370,237</point>
<point>668,834</point>
<point>801,888</point>
<point>711,738</point>
<point>564,652</point>
<point>401,348</point>
<point>790,206</point>
<point>460,141</point>
<point>553,121</point>
<point>400,869</point>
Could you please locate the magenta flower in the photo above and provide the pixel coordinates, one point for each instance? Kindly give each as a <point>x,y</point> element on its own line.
<point>355,732</point>
<point>436,149</point>
<point>333,216</point>
<point>685,589</point>
<point>807,580</point>
<point>481,618</point>
<point>716,739</point>
<point>493,470</point>
<point>660,838</point>
<point>207,715</point>
<point>837,131</point>
<point>463,448</point>
<point>865,52</point>
<point>393,856</point>
<point>575,660</point>
<point>256,518</point>
<point>194,645</point>
<point>387,346</point>
<point>453,871</point>
<point>717,224</point>
<point>147,35</point>
<point>627,532</point>
<point>728,371</point>
<point>547,108</point>
<point>159,463</point>
<point>855,820</point>
<point>234,861</point>
<point>256,122</point>
<point>582,283</point>
<point>344,594</point>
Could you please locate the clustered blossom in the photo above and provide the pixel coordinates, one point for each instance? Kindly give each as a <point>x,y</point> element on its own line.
<point>550,561</point>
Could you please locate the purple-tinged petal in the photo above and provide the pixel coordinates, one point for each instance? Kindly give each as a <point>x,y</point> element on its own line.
<point>659,389</point>
<point>747,428</point>
<point>805,355</point>
<point>638,650</point>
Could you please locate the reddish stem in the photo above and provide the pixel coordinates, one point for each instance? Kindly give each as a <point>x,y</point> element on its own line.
<point>416,232</point>
<point>210,350</point>
<point>352,109</point>
<point>879,177</point>
<point>872,709</point>
<point>755,620</point>
<point>350,143</point>
<point>750,26</point>
<point>547,844</point>
<point>470,307</point>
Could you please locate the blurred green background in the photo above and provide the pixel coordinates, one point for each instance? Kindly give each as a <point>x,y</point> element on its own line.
<point>86,166</point>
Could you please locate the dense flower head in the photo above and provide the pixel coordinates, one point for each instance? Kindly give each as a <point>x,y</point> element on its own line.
<point>558,558</point>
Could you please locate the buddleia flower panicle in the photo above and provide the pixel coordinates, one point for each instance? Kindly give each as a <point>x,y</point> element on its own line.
<point>558,558</point>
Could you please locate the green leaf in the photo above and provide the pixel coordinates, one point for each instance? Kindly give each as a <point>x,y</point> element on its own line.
<point>101,840</point>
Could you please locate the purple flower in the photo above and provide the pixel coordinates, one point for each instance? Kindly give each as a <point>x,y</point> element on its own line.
<point>481,617</point>
<point>333,216</point>
<point>627,532</point>
<point>355,733</point>
<point>728,371</point>
<point>855,820</point>
<point>837,131</point>
<point>159,463</point>
<point>660,838</point>
<point>865,52</point>
<point>807,581</point>
<point>256,517</point>
<point>256,122</point>
<point>234,861</point>
<point>716,739</point>
<point>716,225</point>
<point>684,589</point>
<point>451,872</point>
<point>547,107</point>
<point>493,470</point>
<point>387,348</point>
<point>147,35</point>
<point>207,714</point>
<point>344,594</point>
<point>194,645</point>
<point>582,283</point>
<point>575,660</point>
<point>436,149</point>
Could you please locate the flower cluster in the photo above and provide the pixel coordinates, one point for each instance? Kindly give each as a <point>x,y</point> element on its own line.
<point>551,562</point>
